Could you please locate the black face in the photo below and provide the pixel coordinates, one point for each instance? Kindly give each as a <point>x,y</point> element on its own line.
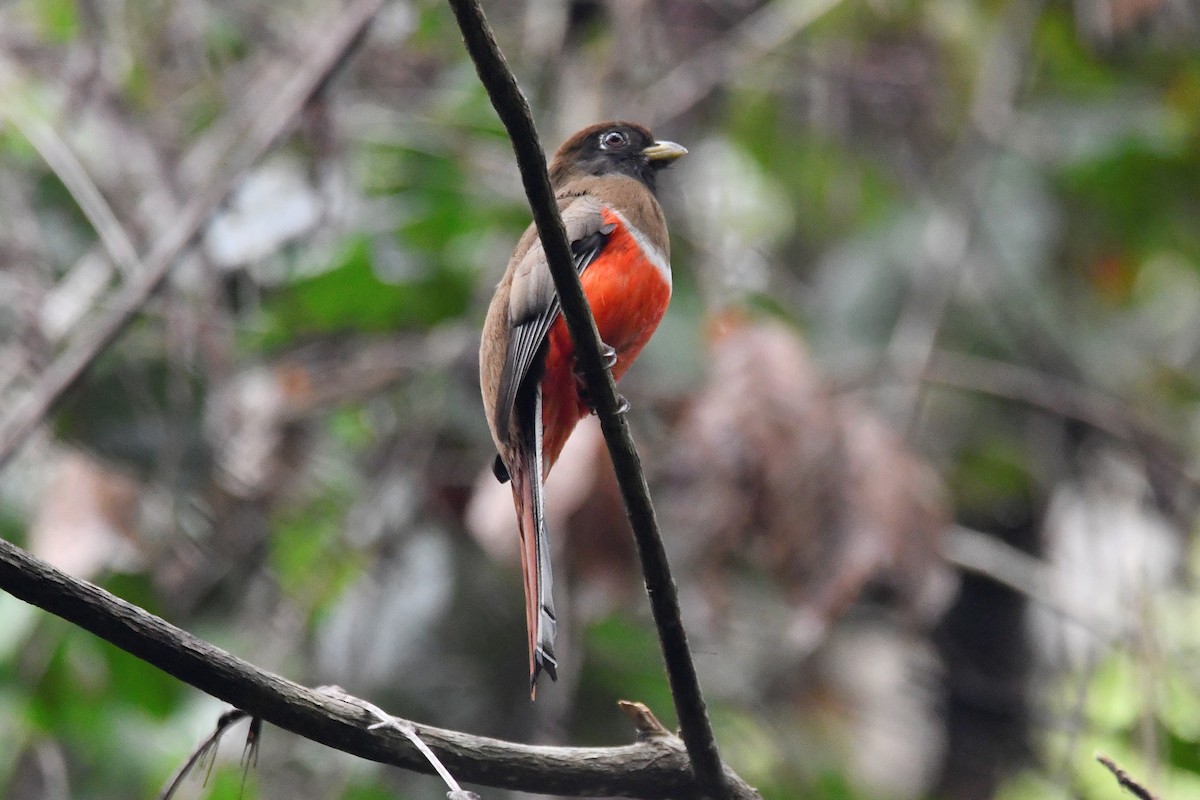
<point>617,149</point>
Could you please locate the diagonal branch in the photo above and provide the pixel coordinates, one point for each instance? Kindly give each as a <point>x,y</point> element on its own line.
<point>1125,780</point>
<point>74,176</point>
<point>1105,414</point>
<point>329,45</point>
<point>759,34</point>
<point>654,767</point>
<point>513,110</point>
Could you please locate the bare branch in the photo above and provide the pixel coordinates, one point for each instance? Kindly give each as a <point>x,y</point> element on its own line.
<point>1065,398</point>
<point>761,33</point>
<point>62,161</point>
<point>654,767</point>
<point>1125,780</point>
<point>513,110</point>
<point>328,46</point>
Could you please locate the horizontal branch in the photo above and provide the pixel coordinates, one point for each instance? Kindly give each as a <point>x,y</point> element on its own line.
<point>1074,401</point>
<point>654,767</point>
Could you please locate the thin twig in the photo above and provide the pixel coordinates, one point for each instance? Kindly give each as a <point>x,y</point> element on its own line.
<point>958,214</point>
<point>653,768</point>
<point>1050,392</point>
<point>764,31</point>
<point>326,49</point>
<point>1065,398</point>
<point>62,161</point>
<point>513,110</point>
<point>1125,780</point>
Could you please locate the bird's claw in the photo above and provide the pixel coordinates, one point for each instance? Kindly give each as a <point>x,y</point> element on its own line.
<point>581,385</point>
<point>608,356</point>
<point>622,404</point>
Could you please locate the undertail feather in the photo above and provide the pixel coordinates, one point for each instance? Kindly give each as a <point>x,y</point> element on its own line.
<point>526,476</point>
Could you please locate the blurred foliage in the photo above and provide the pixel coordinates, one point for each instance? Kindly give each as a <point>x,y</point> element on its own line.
<point>983,217</point>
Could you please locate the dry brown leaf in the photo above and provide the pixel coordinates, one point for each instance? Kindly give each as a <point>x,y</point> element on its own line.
<point>87,520</point>
<point>769,467</point>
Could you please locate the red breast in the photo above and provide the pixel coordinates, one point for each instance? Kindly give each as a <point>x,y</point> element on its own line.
<point>628,287</point>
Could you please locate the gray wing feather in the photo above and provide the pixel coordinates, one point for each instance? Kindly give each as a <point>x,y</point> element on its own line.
<point>533,302</point>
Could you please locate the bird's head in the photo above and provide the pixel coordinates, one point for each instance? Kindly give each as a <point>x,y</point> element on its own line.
<point>613,148</point>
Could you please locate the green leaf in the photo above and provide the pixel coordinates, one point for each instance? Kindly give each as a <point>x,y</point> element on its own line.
<point>623,660</point>
<point>1031,786</point>
<point>1115,697</point>
<point>352,296</point>
<point>58,19</point>
<point>1180,711</point>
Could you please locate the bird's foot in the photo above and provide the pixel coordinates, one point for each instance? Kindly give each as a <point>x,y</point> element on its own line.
<point>585,397</point>
<point>608,356</point>
<point>622,404</point>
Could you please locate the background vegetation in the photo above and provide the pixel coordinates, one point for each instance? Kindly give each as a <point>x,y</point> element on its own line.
<point>921,421</point>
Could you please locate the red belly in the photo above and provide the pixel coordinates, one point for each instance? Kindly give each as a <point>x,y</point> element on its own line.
<point>628,295</point>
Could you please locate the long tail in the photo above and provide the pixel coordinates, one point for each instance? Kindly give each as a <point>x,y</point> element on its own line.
<point>535,548</point>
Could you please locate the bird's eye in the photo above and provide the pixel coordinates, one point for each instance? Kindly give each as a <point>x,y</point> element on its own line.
<point>613,140</point>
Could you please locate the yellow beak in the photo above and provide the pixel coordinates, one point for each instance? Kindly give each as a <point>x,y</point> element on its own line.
<point>664,151</point>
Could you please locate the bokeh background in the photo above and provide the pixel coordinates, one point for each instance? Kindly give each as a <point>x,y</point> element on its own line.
<point>921,422</point>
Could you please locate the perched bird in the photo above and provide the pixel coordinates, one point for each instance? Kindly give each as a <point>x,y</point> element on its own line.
<point>604,180</point>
